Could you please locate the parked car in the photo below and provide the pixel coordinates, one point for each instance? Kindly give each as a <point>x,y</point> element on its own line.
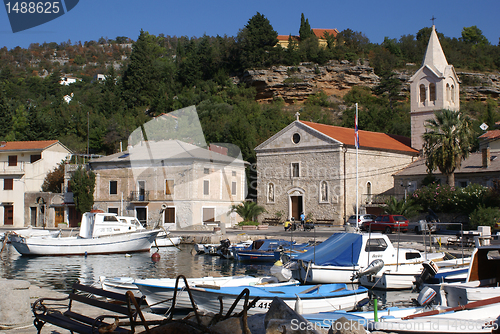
<point>361,219</point>
<point>422,225</point>
<point>387,224</point>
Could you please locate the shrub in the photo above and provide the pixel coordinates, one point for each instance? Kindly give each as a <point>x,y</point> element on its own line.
<point>248,223</point>
<point>469,199</point>
<point>435,196</point>
<point>484,216</point>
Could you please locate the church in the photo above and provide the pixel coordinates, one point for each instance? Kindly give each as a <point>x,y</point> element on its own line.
<point>316,169</point>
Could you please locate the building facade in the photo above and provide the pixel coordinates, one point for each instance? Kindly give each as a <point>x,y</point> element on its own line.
<point>314,168</point>
<point>171,183</point>
<point>23,167</point>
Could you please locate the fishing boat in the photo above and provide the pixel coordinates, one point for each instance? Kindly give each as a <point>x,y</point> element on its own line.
<point>119,285</point>
<point>100,233</point>
<point>30,232</point>
<point>163,239</point>
<point>302,298</point>
<point>159,291</point>
<point>345,257</point>
<point>264,250</point>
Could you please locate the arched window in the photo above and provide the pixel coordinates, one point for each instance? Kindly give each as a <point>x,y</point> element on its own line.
<point>369,192</point>
<point>323,191</point>
<point>432,92</point>
<point>448,93</point>
<point>452,93</point>
<point>422,93</point>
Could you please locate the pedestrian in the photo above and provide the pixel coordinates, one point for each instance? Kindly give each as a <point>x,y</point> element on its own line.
<point>302,220</point>
<point>287,225</point>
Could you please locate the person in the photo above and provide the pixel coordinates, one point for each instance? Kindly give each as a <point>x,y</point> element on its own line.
<point>287,225</point>
<point>302,220</point>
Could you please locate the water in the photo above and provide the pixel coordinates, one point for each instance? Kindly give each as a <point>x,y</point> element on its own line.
<point>59,273</point>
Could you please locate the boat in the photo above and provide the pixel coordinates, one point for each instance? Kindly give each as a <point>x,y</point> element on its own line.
<point>264,250</point>
<point>119,285</point>
<point>345,257</point>
<point>302,298</point>
<point>159,291</point>
<point>100,233</point>
<point>163,239</point>
<point>30,232</point>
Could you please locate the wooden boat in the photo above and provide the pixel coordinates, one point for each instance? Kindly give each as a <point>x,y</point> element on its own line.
<point>302,298</point>
<point>100,233</point>
<point>31,232</point>
<point>163,239</point>
<point>159,291</point>
<point>119,285</point>
<point>344,257</point>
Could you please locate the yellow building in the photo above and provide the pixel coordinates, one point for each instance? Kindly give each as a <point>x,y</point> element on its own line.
<point>320,33</point>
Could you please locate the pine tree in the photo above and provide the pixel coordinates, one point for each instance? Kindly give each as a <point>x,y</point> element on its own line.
<point>305,30</point>
<point>82,185</point>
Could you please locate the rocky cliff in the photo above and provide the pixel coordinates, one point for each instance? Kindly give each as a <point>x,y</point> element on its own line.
<point>294,84</point>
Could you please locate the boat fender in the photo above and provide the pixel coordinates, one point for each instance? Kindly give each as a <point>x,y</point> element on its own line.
<point>155,257</point>
<point>298,305</point>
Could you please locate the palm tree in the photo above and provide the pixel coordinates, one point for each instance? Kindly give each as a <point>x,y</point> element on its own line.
<point>248,210</point>
<point>447,142</point>
<point>407,208</point>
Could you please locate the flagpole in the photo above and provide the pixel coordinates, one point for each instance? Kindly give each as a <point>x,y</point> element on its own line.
<point>356,138</point>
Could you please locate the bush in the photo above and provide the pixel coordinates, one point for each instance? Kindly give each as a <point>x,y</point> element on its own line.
<point>484,216</point>
<point>469,199</point>
<point>435,196</point>
<point>248,223</point>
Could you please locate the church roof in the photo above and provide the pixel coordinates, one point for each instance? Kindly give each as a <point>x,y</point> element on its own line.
<point>367,139</point>
<point>434,55</point>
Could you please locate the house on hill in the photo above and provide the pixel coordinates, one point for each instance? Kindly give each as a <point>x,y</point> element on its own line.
<point>320,33</point>
<point>311,168</point>
<point>24,166</point>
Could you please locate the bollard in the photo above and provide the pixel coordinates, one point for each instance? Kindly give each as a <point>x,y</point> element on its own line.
<point>14,303</point>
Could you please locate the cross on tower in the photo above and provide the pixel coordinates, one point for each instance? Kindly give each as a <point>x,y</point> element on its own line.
<point>433,18</point>
<point>297,114</point>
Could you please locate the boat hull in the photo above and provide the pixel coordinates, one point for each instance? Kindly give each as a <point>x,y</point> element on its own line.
<point>163,240</point>
<point>113,244</point>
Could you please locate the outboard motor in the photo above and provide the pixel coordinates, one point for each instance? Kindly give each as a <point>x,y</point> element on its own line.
<point>430,270</point>
<point>426,296</point>
<point>374,267</point>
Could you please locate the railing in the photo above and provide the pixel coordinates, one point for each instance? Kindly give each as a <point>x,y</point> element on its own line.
<point>372,199</point>
<point>139,196</point>
<point>5,168</point>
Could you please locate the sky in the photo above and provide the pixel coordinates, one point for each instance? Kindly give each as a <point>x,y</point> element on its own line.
<point>93,19</point>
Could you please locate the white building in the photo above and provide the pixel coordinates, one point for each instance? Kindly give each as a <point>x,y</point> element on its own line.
<point>23,167</point>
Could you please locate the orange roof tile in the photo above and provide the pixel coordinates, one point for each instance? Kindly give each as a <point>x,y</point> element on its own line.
<point>367,139</point>
<point>320,33</point>
<point>492,134</point>
<point>26,145</point>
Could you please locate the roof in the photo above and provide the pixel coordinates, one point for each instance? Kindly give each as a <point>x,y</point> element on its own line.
<point>161,151</point>
<point>367,139</point>
<point>320,33</point>
<point>26,145</point>
<point>473,164</point>
<point>492,134</point>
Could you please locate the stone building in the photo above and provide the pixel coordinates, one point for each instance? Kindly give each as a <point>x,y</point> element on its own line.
<point>311,168</point>
<point>170,182</point>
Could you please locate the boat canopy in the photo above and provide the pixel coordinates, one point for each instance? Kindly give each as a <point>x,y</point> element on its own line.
<point>341,249</point>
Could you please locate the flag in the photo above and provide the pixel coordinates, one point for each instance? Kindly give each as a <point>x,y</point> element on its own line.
<point>356,135</point>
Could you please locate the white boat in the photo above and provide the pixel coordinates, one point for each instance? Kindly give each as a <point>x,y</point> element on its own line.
<point>119,285</point>
<point>163,239</point>
<point>31,232</point>
<point>302,298</point>
<point>344,257</point>
<point>100,233</point>
<point>159,291</point>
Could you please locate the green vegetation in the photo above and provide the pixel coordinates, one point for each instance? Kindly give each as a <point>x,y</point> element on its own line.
<point>82,185</point>
<point>405,207</point>
<point>248,210</point>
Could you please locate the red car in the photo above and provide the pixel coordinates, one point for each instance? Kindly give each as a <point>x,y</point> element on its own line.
<point>387,224</point>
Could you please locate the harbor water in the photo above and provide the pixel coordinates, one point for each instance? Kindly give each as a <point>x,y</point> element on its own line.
<point>60,272</point>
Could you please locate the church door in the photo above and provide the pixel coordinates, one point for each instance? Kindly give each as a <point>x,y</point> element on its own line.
<point>297,207</point>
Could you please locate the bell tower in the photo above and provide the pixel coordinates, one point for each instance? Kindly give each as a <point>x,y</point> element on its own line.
<point>434,86</point>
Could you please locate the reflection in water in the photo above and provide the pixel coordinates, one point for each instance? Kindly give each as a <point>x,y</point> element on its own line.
<point>59,273</point>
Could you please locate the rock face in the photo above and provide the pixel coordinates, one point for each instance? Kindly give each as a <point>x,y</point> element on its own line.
<point>294,84</point>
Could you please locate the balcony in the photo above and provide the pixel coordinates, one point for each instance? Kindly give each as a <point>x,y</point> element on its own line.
<point>5,169</point>
<point>139,196</point>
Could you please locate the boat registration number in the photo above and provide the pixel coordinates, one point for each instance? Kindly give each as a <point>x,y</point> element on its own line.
<point>263,305</point>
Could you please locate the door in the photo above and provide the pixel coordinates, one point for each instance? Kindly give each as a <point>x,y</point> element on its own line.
<point>142,215</point>
<point>142,190</point>
<point>8,215</point>
<point>297,208</point>
<point>169,216</point>
<point>59,219</point>
<point>33,216</point>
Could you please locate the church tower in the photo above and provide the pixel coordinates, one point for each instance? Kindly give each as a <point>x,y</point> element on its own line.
<point>434,86</point>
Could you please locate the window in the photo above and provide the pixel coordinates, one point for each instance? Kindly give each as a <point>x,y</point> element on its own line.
<point>169,187</point>
<point>462,184</point>
<point>206,170</point>
<point>8,184</point>
<point>234,173</point>
<point>432,92</point>
<point>208,214</point>
<point>422,93</point>
<point>296,138</point>
<point>233,188</point>
<point>12,160</point>
<point>113,210</point>
<point>35,157</point>
<point>113,187</point>
<point>295,169</point>
<point>206,187</point>
<point>375,245</point>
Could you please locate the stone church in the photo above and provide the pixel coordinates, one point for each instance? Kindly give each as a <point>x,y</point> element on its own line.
<point>313,168</point>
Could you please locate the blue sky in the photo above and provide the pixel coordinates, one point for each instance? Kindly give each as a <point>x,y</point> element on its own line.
<point>92,19</point>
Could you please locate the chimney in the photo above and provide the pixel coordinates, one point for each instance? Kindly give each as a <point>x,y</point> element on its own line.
<point>486,157</point>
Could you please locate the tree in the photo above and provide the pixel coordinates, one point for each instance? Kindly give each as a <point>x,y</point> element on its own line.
<point>54,179</point>
<point>447,142</point>
<point>305,30</point>
<point>256,42</point>
<point>248,210</point>
<point>473,35</point>
<point>407,208</point>
<point>82,185</point>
